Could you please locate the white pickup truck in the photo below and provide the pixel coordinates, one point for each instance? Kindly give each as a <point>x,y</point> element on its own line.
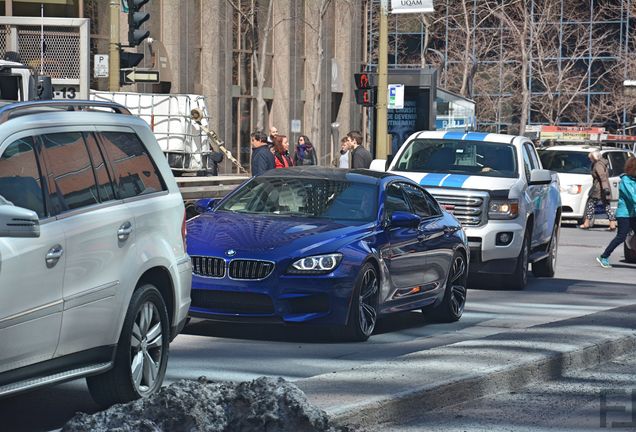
<point>495,185</point>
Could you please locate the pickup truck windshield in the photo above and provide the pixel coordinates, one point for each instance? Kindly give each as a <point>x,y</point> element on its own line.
<point>475,158</point>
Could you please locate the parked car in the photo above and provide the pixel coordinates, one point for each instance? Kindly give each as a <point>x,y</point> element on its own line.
<point>495,185</point>
<point>94,275</point>
<point>573,166</point>
<point>326,246</point>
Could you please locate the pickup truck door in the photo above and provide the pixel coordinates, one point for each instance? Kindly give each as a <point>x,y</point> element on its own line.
<point>538,196</point>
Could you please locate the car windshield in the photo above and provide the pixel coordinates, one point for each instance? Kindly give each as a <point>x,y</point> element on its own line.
<point>305,197</point>
<point>567,162</point>
<point>478,158</point>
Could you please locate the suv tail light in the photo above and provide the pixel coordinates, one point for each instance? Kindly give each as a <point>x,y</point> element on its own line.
<point>184,232</point>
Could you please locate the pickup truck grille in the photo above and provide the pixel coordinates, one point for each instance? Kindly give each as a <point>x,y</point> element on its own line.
<point>468,210</point>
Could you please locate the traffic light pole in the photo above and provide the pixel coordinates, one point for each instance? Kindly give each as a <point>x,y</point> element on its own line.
<point>381,138</point>
<point>113,51</point>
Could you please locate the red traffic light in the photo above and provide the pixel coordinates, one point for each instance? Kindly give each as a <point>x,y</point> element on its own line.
<point>365,97</point>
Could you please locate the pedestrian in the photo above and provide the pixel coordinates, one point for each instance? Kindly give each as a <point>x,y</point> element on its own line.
<point>305,152</point>
<point>273,131</point>
<point>262,157</point>
<point>281,152</point>
<point>625,212</point>
<point>360,156</point>
<point>343,158</point>
<point>600,191</point>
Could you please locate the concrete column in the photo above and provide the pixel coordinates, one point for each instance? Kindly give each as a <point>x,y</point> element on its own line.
<point>281,40</point>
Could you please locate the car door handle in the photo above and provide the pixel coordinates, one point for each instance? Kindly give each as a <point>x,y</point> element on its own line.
<point>124,231</point>
<point>53,255</point>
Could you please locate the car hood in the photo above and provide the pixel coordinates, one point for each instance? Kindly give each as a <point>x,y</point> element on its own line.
<point>259,236</point>
<point>459,180</point>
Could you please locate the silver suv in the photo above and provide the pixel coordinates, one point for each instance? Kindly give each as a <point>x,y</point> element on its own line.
<point>94,277</point>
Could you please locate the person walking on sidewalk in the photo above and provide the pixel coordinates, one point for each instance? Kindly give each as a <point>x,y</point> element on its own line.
<point>360,157</point>
<point>600,191</point>
<point>281,152</point>
<point>262,157</point>
<point>625,212</point>
<point>343,159</point>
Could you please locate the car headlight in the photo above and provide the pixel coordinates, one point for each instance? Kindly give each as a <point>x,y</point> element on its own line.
<point>573,189</point>
<point>503,209</point>
<point>316,264</point>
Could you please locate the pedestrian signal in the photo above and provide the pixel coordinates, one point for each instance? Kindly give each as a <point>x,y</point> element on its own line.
<point>363,80</point>
<point>365,97</point>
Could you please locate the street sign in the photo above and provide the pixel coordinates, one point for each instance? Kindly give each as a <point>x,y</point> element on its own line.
<point>132,76</point>
<point>412,6</point>
<point>396,96</point>
<point>100,66</point>
<point>295,126</point>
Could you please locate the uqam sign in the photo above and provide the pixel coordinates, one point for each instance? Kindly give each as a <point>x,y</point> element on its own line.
<point>411,6</point>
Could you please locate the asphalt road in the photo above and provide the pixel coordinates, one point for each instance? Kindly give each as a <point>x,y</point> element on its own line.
<point>594,399</point>
<point>243,352</point>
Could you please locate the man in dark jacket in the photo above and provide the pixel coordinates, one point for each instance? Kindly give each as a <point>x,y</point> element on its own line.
<point>360,157</point>
<point>262,157</point>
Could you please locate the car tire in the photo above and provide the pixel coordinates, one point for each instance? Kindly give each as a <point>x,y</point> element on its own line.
<point>630,254</point>
<point>547,266</point>
<point>451,308</point>
<point>363,313</point>
<point>143,343</point>
<point>519,279</point>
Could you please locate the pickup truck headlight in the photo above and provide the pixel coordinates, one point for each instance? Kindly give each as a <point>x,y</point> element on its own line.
<point>317,264</point>
<point>503,209</point>
<point>574,189</point>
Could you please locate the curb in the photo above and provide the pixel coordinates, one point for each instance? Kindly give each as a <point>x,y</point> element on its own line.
<point>503,362</point>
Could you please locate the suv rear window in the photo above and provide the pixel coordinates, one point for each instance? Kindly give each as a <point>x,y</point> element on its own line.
<point>135,173</point>
<point>567,162</point>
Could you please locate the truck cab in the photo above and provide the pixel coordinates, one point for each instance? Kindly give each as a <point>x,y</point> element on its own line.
<point>495,185</point>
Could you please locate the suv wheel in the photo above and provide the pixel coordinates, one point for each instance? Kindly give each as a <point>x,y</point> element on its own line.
<point>547,266</point>
<point>629,248</point>
<point>142,352</point>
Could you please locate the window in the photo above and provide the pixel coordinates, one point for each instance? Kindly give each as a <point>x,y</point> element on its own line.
<point>418,201</point>
<point>104,185</point>
<point>20,180</point>
<point>527,162</point>
<point>71,180</point>
<point>135,174</point>
<point>617,160</point>
<point>395,200</point>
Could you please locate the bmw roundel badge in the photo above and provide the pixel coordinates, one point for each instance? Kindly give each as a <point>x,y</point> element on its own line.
<point>230,252</point>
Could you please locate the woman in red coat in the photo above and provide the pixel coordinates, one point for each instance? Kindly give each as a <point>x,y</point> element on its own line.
<point>281,152</point>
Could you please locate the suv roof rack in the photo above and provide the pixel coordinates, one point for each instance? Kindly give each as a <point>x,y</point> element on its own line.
<point>69,105</point>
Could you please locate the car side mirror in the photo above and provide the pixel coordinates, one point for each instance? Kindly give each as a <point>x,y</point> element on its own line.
<point>18,222</point>
<point>205,205</point>
<point>540,177</point>
<point>404,219</point>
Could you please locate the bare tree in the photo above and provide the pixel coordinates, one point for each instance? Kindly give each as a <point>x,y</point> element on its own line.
<point>260,42</point>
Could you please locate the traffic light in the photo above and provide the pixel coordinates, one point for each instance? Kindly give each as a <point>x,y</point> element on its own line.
<point>365,92</point>
<point>135,19</point>
<point>129,60</point>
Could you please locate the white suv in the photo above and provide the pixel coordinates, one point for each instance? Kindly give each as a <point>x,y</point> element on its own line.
<point>573,166</point>
<point>94,277</point>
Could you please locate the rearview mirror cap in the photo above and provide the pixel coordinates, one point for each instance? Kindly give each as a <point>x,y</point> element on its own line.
<point>205,204</point>
<point>540,177</point>
<point>404,219</point>
<point>378,165</point>
<point>18,222</point>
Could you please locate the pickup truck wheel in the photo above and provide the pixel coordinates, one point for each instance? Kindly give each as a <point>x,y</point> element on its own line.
<point>520,276</point>
<point>142,352</point>
<point>452,305</point>
<point>547,266</point>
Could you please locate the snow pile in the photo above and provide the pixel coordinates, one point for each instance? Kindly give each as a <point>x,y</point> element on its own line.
<point>265,404</point>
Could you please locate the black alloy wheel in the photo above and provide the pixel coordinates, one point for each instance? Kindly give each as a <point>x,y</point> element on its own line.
<point>452,305</point>
<point>547,266</point>
<point>363,314</point>
<point>520,276</point>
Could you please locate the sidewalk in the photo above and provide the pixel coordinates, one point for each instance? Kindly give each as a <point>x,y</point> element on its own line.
<point>381,391</point>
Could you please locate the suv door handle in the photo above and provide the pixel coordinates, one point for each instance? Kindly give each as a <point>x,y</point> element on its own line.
<point>53,255</point>
<point>124,231</point>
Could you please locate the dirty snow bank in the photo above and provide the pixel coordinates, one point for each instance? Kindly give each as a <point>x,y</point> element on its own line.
<point>264,404</point>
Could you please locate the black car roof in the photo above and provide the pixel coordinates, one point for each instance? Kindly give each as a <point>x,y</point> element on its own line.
<point>316,172</point>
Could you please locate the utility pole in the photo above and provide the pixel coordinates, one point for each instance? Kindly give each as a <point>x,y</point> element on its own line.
<point>113,51</point>
<point>381,138</point>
